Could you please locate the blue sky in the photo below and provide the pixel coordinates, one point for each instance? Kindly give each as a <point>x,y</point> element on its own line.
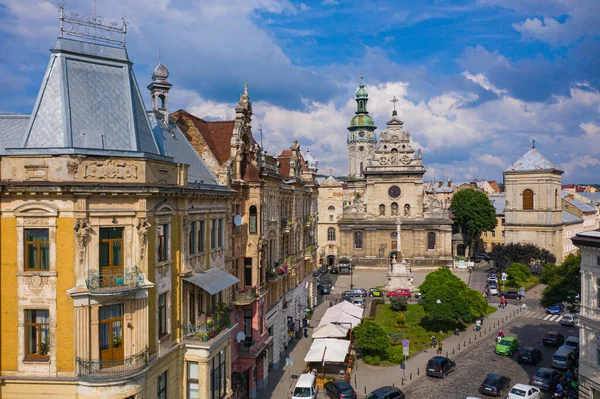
<point>476,79</point>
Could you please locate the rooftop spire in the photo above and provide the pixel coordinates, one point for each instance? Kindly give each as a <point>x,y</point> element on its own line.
<point>394,100</point>
<point>532,141</point>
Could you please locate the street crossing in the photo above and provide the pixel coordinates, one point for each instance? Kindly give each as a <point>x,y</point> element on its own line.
<point>542,316</point>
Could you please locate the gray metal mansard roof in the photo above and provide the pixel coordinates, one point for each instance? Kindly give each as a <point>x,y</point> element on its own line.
<point>532,161</point>
<point>568,218</point>
<point>12,129</point>
<point>499,203</point>
<point>89,102</point>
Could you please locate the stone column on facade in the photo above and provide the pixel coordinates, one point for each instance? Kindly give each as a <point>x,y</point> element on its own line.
<point>82,330</point>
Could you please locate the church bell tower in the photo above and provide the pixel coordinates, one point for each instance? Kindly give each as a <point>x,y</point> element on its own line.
<point>361,139</point>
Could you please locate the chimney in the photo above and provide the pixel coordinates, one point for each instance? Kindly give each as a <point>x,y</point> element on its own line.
<point>440,183</point>
<point>449,183</point>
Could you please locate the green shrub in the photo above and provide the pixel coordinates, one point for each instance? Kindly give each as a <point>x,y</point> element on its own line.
<point>400,321</point>
<point>379,301</point>
<point>399,303</point>
<point>376,359</point>
<point>395,355</point>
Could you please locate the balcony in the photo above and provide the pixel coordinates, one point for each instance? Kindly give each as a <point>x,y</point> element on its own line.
<point>115,279</point>
<point>96,370</point>
<point>249,295</point>
<point>210,329</point>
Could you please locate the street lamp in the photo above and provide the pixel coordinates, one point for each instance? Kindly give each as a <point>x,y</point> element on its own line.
<point>351,273</point>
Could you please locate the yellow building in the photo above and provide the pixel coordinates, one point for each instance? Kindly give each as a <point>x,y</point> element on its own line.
<point>114,246</point>
<point>495,237</point>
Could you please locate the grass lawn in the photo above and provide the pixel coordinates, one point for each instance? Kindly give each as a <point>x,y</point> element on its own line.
<point>531,282</point>
<point>417,329</point>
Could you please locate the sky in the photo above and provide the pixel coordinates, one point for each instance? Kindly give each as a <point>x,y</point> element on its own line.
<point>476,80</point>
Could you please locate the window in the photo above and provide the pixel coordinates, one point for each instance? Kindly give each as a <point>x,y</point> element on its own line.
<point>598,292</point>
<point>213,234</point>
<point>220,237</point>
<point>331,208</point>
<point>37,249</point>
<point>192,238</point>
<point>527,200</point>
<point>202,236</point>
<point>111,332</point>
<point>163,242</point>
<point>252,223</point>
<point>431,241</point>
<point>248,272</point>
<point>218,376</point>
<point>37,334</point>
<point>493,233</point>
<point>358,240</point>
<point>111,256</point>
<point>248,324</point>
<point>162,386</point>
<point>162,315</point>
<point>598,261</point>
<point>503,234</point>
<point>503,221</point>
<point>331,218</point>
<point>331,234</point>
<point>192,380</point>
<point>192,308</point>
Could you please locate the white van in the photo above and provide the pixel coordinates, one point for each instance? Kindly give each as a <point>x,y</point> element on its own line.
<point>306,387</point>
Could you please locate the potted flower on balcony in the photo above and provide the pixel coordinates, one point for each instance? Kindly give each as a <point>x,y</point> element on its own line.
<point>209,320</point>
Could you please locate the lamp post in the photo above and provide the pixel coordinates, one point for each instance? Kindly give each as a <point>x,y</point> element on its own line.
<point>351,273</point>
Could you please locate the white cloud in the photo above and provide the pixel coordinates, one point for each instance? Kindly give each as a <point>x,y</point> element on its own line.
<point>304,7</point>
<point>329,2</point>
<point>492,160</point>
<point>574,166</point>
<point>483,81</point>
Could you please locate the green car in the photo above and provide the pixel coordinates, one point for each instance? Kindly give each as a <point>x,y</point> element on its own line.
<point>325,289</point>
<point>507,346</point>
<point>375,292</point>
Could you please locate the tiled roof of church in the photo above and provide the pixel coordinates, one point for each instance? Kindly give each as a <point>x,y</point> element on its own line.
<point>533,160</point>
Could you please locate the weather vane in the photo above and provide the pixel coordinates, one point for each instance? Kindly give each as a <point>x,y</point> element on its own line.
<point>92,27</point>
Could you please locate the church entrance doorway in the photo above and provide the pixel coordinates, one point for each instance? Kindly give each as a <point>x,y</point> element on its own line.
<point>330,260</point>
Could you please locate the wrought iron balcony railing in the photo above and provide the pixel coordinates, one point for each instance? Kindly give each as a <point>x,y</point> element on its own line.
<point>114,278</point>
<point>97,370</point>
<point>210,329</point>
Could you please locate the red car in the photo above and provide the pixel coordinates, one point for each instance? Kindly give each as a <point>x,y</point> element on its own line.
<point>405,292</point>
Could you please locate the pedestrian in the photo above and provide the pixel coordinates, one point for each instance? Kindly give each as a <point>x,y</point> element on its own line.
<point>305,333</point>
<point>440,348</point>
<point>433,341</point>
<point>481,318</point>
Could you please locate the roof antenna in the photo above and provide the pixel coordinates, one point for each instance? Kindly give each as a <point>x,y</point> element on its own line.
<point>261,136</point>
<point>159,55</point>
<point>532,141</point>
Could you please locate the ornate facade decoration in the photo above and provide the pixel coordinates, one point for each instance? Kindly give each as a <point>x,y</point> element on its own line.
<point>83,229</point>
<point>35,222</point>
<point>142,227</point>
<point>36,283</point>
<point>111,169</point>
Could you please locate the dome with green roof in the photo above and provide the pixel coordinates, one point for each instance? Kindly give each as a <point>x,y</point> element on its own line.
<point>361,120</point>
<point>361,92</point>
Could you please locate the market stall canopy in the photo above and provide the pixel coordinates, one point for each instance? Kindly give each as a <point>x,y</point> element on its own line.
<point>330,331</point>
<point>328,350</point>
<point>344,313</point>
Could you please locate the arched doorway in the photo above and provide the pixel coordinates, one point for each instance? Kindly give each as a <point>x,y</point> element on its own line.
<point>460,250</point>
<point>330,260</point>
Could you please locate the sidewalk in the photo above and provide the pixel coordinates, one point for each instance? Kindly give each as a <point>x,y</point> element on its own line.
<point>283,379</point>
<point>368,377</point>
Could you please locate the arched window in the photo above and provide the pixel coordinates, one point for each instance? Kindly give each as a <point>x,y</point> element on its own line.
<point>361,169</point>
<point>406,210</point>
<point>431,241</point>
<point>252,223</point>
<point>358,240</point>
<point>381,252</point>
<point>331,208</point>
<point>381,210</point>
<point>527,200</point>
<point>556,200</point>
<point>331,234</point>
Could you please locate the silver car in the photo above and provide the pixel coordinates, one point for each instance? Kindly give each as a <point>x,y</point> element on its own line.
<point>564,357</point>
<point>569,320</point>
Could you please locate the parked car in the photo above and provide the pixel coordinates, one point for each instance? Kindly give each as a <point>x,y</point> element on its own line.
<point>546,379</point>
<point>507,346</point>
<point>386,393</point>
<point>439,366</point>
<point>339,390</point>
<point>557,308</point>
<point>327,282</point>
<point>333,270</point>
<point>306,387</point>
<point>351,293</point>
<point>522,391</point>
<point>325,290</point>
<point>375,292</point>
<point>529,354</point>
<point>405,292</point>
<point>493,289</point>
<point>362,291</point>
<point>564,358</point>
<point>481,256</point>
<point>511,294</point>
<point>494,385</point>
<point>358,301</point>
<point>418,294</point>
<point>346,298</point>
<point>572,341</point>
<point>553,338</point>
<point>569,320</point>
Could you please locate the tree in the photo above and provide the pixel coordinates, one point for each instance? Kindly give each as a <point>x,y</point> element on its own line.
<point>477,303</point>
<point>564,283</point>
<point>473,214</point>
<point>528,254</point>
<point>518,273</point>
<point>371,338</point>
<point>441,277</point>
<point>398,303</point>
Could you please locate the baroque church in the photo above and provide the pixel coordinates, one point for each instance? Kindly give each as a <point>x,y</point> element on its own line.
<point>380,212</point>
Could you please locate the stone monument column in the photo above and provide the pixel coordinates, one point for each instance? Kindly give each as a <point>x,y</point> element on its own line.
<point>398,239</point>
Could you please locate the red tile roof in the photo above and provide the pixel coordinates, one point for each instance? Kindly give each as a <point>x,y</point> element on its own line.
<point>216,134</point>
<point>251,173</point>
<point>494,185</point>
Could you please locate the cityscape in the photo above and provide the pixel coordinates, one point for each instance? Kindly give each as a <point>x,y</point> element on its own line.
<point>162,237</point>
